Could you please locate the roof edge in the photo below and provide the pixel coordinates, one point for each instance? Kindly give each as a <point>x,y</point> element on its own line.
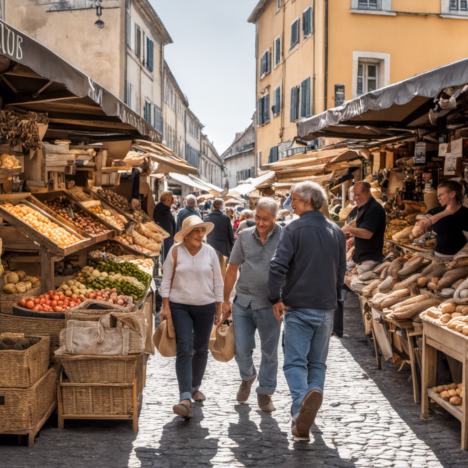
<point>258,10</point>
<point>158,24</point>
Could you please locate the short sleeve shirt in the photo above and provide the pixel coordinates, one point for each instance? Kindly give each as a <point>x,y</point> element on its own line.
<point>254,258</point>
<point>449,230</point>
<point>371,217</point>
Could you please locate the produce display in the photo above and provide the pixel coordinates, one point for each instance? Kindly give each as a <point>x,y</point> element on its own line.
<point>17,343</point>
<point>110,216</point>
<point>8,162</point>
<point>452,393</point>
<point>42,224</point>
<point>110,248</point>
<point>65,208</point>
<point>122,203</point>
<point>18,282</point>
<point>51,302</point>
<point>71,287</point>
<point>395,226</point>
<point>111,296</point>
<point>79,193</point>
<point>127,239</point>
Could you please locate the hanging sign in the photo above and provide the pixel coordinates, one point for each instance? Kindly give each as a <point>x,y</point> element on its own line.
<point>420,153</point>
<point>443,148</point>
<point>450,166</point>
<point>457,148</point>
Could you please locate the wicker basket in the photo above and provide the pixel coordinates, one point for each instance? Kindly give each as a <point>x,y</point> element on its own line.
<point>91,400</point>
<point>22,369</point>
<point>24,408</point>
<point>35,327</point>
<point>7,300</point>
<point>100,369</point>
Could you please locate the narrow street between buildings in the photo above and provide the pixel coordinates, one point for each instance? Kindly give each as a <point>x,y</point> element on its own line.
<point>368,419</point>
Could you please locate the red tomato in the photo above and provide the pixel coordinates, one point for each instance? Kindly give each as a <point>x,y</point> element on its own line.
<point>61,296</point>
<point>58,309</point>
<point>30,304</point>
<point>48,302</point>
<point>50,292</point>
<point>22,303</point>
<point>37,308</point>
<point>36,300</point>
<point>43,301</point>
<point>74,297</point>
<point>72,304</point>
<point>60,303</point>
<point>53,303</point>
<point>56,297</point>
<point>79,301</point>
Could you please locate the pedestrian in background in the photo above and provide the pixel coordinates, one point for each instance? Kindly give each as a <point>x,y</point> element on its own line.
<point>252,310</point>
<point>222,236</point>
<point>189,210</point>
<point>248,220</point>
<point>192,292</point>
<point>163,217</point>
<point>305,282</point>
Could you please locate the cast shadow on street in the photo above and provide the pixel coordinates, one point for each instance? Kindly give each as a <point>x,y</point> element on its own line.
<point>278,448</point>
<point>182,443</point>
<point>397,388</point>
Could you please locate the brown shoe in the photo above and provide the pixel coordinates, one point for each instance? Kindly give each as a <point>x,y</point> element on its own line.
<point>265,403</point>
<point>198,396</point>
<point>244,390</point>
<point>184,409</point>
<point>309,409</point>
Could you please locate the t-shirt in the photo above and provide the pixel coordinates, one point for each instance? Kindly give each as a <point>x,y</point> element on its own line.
<point>372,217</point>
<point>449,230</point>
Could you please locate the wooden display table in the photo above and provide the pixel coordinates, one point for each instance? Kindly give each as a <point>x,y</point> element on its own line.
<point>455,345</point>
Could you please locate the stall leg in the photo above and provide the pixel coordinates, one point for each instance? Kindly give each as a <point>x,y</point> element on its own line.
<point>47,271</point>
<point>135,407</point>
<point>429,373</point>
<point>378,358</point>
<point>414,371</point>
<point>60,408</point>
<point>464,441</point>
<point>30,439</point>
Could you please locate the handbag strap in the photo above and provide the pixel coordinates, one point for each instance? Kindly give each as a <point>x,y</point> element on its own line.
<point>174,257</point>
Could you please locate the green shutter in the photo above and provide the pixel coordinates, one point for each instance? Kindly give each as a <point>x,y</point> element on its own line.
<point>293,105</point>
<point>266,108</point>
<point>150,48</point>
<point>308,106</point>
<point>260,111</point>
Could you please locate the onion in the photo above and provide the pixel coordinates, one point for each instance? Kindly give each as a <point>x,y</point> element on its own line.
<point>120,302</point>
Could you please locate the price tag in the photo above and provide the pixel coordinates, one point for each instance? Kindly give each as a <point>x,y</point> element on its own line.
<point>443,148</point>
<point>450,166</point>
<point>457,148</point>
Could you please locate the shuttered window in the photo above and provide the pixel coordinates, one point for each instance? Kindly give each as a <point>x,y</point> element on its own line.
<point>305,98</point>
<point>277,51</point>
<point>294,104</point>
<point>265,65</point>
<point>128,28</point>
<point>458,5</point>
<point>307,22</point>
<point>150,54</point>
<point>147,112</point>
<point>277,105</point>
<point>158,123</point>
<point>273,155</point>
<point>294,33</point>
<point>264,109</point>
<point>370,5</point>
<point>137,40</point>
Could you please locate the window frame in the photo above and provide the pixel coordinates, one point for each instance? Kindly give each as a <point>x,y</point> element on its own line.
<point>296,104</point>
<point>138,41</point>
<point>298,21</point>
<point>263,107</point>
<point>277,105</point>
<point>366,64</point>
<point>259,159</point>
<point>383,60</point>
<point>311,25</point>
<point>265,72</point>
<point>368,8</point>
<point>278,5</point>
<point>303,106</point>
<point>276,59</point>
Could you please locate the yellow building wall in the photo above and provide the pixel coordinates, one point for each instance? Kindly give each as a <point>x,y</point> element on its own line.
<point>410,44</point>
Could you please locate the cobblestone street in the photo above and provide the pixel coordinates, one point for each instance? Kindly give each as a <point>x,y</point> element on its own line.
<point>368,419</point>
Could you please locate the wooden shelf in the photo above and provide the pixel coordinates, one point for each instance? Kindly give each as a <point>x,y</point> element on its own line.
<point>453,410</point>
<point>10,172</point>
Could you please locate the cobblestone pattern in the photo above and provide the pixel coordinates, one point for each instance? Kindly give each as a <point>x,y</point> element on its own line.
<point>368,419</point>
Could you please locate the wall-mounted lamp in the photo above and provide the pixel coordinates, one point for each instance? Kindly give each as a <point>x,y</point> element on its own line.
<point>99,23</point>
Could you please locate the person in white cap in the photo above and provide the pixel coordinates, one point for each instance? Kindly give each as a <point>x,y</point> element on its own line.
<point>192,293</point>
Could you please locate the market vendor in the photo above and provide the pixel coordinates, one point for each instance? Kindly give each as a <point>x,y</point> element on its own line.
<point>368,228</point>
<point>449,221</point>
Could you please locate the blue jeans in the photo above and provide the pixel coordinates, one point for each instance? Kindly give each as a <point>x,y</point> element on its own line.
<point>246,322</point>
<point>193,325</point>
<point>306,339</point>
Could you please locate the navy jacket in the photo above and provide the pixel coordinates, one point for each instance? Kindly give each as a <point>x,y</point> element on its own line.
<point>309,265</point>
<point>221,238</point>
<point>184,214</point>
<point>163,217</point>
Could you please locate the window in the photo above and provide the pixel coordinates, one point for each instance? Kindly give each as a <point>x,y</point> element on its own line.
<point>147,112</point>
<point>369,5</point>
<point>137,40</point>
<point>277,51</point>
<point>128,94</point>
<point>149,54</point>
<point>458,5</point>
<point>259,159</point>
<point>368,77</point>
<point>294,33</point>
<point>305,98</point>
<point>277,105</point>
<point>128,28</point>
<point>294,111</point>
<point>278,5</point>
<point>157,120</point>
<point>264,109</point>
<point>273,155</point>
<point>265,64</point>
<point>192,156</point>
<point>307,28</point>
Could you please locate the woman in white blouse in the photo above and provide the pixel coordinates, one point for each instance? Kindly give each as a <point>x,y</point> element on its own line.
<point>193,296</point>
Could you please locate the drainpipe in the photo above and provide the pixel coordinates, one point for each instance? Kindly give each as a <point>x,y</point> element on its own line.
<point>325,101</point>
<point>256,90</point>
<point>313,89</point>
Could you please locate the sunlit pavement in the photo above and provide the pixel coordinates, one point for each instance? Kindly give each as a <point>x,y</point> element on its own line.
<point>368,419</point>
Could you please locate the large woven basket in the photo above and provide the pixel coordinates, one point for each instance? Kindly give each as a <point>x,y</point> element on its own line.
<point>100,369</point>
<point>7,300</point>
<point>22,369</point>
<point>92,400</point>
<point>35,327</point>
<point>24,408</point>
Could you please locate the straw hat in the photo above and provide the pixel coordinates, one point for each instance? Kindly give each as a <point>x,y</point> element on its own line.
<point>165,339</point>
<point>189,225</point>
<point>222,342</point>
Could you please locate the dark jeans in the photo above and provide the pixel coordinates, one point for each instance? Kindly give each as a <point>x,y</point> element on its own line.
<point>193,326</point>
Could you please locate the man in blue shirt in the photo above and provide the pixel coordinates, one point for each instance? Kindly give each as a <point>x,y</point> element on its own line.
<point>189,210</point>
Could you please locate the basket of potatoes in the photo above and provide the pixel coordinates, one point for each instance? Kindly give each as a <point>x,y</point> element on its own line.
<point>17,285</point>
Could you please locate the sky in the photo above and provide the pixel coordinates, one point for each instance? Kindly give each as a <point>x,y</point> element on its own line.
<point>213,60</point>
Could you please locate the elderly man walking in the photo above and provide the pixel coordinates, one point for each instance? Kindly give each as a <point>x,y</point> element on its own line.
<point>163,217</point>
<point>189,210</point>
<point>252,311</point>
<point>222,236</point>
<point>305,281</point>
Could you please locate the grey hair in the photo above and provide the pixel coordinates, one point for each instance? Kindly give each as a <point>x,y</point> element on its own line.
<point>191,200</point>
<point>248,214</point>
<point>366,186</point>
<point>268,204</point>
<point>310,191</point>
<point>218,204</point>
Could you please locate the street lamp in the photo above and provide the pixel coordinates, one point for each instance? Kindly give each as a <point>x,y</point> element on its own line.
<point>99,23</point>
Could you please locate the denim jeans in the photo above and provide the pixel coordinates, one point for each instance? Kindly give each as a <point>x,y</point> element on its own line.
<point>306,339</point>
<point>193,326</point>
<point>246,322</point>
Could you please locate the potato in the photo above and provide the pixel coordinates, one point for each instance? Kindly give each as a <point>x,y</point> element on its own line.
<point>460,327</point>
<point>465,310</point>
<point>459,391</point>
<point>434,389</point>
<point>440,389</point>
<point>445,396</point>
<point>455,401</point>
<point>457,314</point>
<point>452,393</point>
<point>453,386</point>
<point>460,385</point>
<point>446,388</point>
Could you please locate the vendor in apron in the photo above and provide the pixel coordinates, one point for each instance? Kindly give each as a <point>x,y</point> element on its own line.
<point>449,221</point>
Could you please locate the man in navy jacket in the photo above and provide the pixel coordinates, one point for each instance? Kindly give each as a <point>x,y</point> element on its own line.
<point>305,281</point>
<point>163,217</point>
<point>221,238</point>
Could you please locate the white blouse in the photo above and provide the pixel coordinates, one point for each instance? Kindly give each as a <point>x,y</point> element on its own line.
<point>197,280</point>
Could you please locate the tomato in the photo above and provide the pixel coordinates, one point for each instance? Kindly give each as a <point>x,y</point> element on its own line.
<point>60,303</point>
<point>37,308</point>
<point>61,296</point>
<point>50,292</point>
<point>74,297</point>
<point>43,301</point>
<point>53,303</point>
<point>58,309</point>
<point>36,300</point>
<point>22,303</point>
<point>56,297</point>
<point>48,302</point>
<point>72,304</point>
<point>30,304</point>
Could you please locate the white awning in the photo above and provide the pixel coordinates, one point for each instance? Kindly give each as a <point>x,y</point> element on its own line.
<point>186,180</point>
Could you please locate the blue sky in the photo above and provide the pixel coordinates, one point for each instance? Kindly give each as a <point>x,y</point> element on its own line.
<point>213,60</point>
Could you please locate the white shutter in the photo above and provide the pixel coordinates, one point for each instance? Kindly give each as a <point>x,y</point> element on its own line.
<point>387,5</point>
